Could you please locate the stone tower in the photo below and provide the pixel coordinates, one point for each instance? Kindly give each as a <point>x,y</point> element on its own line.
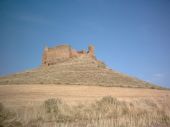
<point>91,51</point>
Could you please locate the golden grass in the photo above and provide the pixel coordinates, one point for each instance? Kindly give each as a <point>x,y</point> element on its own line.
<point>21,95</point>
<point>106,112</point>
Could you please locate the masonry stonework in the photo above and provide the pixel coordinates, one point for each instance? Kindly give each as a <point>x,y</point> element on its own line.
<point>61,53</point>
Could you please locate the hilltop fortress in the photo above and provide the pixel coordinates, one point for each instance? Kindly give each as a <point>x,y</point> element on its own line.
<point>61,53</point>
<point>64,65</point>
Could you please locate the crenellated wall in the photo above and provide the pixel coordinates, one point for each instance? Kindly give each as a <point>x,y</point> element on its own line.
<point>61,53</point>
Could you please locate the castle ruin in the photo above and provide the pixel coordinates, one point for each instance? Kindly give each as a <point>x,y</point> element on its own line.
<point>61,53</point>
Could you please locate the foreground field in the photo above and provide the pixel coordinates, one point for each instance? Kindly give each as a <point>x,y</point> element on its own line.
<point>83,106</point>
<point>25,95</point>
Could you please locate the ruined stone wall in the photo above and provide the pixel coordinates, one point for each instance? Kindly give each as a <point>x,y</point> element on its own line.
<point>56,54</point>
<point>73,53</point>
<point>60,53</point>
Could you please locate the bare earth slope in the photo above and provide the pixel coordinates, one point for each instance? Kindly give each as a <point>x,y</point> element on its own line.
<point>76,71</point>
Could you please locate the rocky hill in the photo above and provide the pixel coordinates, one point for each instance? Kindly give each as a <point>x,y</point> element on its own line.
<point>77,71</point>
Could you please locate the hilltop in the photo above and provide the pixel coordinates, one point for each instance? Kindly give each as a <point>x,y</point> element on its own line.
<point>77,71</point>
<point>64,65</point>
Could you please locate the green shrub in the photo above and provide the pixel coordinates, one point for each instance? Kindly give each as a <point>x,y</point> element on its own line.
<point>8,118</point>
<point>1,107</point>
<point>101,64</point>
<point>52,105</point>
<point>108,100</point>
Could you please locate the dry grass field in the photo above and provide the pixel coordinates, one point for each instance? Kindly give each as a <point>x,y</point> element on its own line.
<point>22,95</point>
<point>83,106</point>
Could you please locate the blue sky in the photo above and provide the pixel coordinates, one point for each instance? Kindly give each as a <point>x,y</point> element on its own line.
<point>130,36</point>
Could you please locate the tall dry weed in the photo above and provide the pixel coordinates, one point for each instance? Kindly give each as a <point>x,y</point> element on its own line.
<point>107,112</point>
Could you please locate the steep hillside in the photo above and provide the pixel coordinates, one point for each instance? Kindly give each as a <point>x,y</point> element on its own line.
<point>77,71</point>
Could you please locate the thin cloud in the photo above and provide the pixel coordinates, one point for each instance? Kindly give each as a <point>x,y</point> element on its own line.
<point>34,19</point>
<point>158,75</point>
<point>156,78</point>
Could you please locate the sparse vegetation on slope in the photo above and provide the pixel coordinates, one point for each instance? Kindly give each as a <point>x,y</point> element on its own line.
<point>107,112</point>
<point>77,71</point>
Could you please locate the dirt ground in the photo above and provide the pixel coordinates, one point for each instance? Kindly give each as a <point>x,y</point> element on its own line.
<point>27,95</point>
